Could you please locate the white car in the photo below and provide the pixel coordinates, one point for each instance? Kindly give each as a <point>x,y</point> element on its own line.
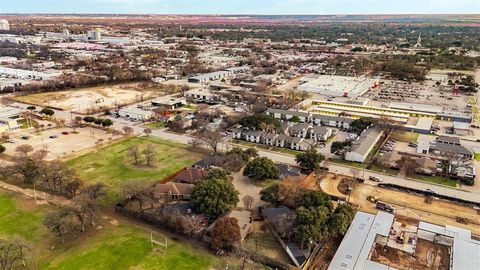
<point>431,190</point>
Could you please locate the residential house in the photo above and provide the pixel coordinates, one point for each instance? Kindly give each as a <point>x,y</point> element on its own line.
<point>244,218</point>
<point>190,176</point>
<point>300,130</point>
<point>270,139</point>
<point>426,166</point>
<point>281,140</point>
<point>320,134</point>
<point>303,117</point>
<point>237,133</point>
<point>332,121</point>
<point>299,144</point>
<point>275,217</point>
<point>174,191</point>
<point>252,136</point>
<point>285,170</point>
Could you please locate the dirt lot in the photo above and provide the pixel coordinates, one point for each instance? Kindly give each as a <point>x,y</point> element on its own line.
<point>64,145</point>
<point>438,211</point>
<point>89,99</point>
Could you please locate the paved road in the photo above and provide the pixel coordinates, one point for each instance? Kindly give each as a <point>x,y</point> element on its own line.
<point>119,123</point>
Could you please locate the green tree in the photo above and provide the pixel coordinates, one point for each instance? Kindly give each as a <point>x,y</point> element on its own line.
<point>2,149</point>
<point>341,219</point>
<point>261,168</point>
<point>89,119</point>
<point>313,223</point>
<point>246,154</point>
<point>271,194</point>
<point>294,119</point>
<point>260,122</point>
<point>107,123</point>
<point>309,159</point>
<point>217,173</point>
<point>226,233</point>
<point>313,198</point>
<point>47,111</point>
<point>214,197</point>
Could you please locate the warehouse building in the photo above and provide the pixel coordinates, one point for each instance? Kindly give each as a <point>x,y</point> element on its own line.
<point>338,86</point>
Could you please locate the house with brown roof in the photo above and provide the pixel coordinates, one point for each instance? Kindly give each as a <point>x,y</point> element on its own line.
<point>190,176</point>
<point>174,191</point>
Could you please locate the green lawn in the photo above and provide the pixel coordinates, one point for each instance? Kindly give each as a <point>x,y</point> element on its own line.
<point>348,163</point>
<point>155,125</point>
<point>404,136</point>
<point>377,168</point>
<point>119,245</point>
<point>15,221</point>
<point>477,156</point>
<point>24,124</point>
<point>436,180</point>
<point>112,165</point>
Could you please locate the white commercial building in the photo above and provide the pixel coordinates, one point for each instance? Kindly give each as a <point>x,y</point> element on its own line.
<point>339,86</point>
<point>362,147</point>
<point>135,113</point>
<point>4,25</point>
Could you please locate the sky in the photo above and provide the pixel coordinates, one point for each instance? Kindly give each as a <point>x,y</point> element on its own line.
<point>315,7</point>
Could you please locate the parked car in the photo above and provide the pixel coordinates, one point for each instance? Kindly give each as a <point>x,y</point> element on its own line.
<point>431,190</point>
<point>384,207</point>
<point>65,133</point>
<point>411,144</point>
<point>25,137</point>
<point>375,179</point>
<point>11,140</point>
<point>53,136</point>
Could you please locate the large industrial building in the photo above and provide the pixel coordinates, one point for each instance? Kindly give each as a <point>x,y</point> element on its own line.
<point>389,242</point>
<point>338,86</point>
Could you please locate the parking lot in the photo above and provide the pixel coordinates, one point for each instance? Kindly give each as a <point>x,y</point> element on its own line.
<point>63,145</point>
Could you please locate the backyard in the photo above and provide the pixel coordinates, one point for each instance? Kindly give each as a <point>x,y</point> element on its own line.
<point>113,166</point>
<point>117,245</point>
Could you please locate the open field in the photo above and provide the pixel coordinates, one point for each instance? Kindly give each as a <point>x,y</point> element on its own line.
<point>89,99</point>
<point>64,145</point>
<point>112,166</point>
<point>119,245</point>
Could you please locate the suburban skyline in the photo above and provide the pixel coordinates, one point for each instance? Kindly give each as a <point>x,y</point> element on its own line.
<point>267,7</point>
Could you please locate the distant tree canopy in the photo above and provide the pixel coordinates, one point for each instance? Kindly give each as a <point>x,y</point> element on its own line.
<point>214,197</point>
<point>260,122</point>
<point>261,168</point>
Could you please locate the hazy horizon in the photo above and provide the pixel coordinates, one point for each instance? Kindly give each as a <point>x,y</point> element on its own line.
<point>242,7</point>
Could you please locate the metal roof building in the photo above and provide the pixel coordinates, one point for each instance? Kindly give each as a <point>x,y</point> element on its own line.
<point>354,253</point>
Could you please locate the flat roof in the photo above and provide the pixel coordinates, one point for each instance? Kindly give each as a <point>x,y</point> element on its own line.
<point>338,85</point>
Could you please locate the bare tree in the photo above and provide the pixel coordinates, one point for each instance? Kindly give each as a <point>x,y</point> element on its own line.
<point>247,201</point>
<point>408,164</point>
<point>24,149</point>
<point>212,139</point>
<point>147,131</point>
<point>137,191</point>
<point>192,224</point>
<point>127,130</point>
<point>149,153</point>
<point>13,253</point>
<point>196,142</point>
<point>134,152</point>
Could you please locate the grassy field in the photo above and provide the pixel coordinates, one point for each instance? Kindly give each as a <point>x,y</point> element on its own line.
<point>477,156</point>
<point>112,165</point>
<point>24,124</point>
<point>404,136</point>
<point>119,245</point>
<point>155,125</point>
<point>348,163</point>
<point>377,168</point>
<point>436,180</point>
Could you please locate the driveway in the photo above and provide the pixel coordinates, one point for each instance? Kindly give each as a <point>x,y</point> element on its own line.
<point>245,187</point>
